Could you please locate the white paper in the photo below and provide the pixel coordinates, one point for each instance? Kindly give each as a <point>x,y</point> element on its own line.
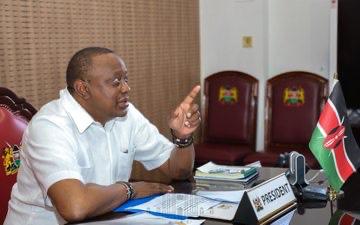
<point>145,218</point>
<point>177,204</point>
<point>211,167</point>
<point>208,167</point>
<point>256,164</point>
<point>223,211</point>
<point>225,178</point>
<point>228,196</point>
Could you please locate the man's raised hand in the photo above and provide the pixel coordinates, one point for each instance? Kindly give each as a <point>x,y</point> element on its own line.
<point>186,117</point>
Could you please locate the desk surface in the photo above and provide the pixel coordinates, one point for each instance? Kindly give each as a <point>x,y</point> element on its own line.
<point>318,216</point>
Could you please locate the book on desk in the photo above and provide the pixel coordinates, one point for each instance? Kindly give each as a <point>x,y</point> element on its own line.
<point>212,171</point>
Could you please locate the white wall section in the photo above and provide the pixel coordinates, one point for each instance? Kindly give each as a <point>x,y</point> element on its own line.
<point>287,35</point>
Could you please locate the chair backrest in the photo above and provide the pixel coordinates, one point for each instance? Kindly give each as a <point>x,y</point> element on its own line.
<point>293,104</point>
<point>231,108</point>
<point>15,114</point>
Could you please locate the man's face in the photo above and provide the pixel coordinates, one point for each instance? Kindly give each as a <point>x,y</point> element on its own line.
<point>108,88</point>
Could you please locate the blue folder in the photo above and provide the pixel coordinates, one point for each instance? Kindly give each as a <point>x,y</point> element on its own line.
<point>138,201</point>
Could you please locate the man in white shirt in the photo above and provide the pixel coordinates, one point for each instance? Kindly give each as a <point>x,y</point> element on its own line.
<point>78,150</point>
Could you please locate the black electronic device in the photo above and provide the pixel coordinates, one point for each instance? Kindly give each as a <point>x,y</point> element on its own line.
<point>297,170</point>
<point>296,176</point>
<point>314,193</point>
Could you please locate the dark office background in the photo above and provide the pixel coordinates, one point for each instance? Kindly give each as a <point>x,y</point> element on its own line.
<point>349,50</point>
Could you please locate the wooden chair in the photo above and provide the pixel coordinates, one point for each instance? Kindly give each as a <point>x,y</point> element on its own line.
<point>293,104</point>
<point>229,127</point>
<point>15,113</point>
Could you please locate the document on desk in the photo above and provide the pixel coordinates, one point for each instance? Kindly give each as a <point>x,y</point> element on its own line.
<point>226,210</point>
<point>227,196</point>
<point>145,218</point>
<point>222,211</point>
<point>177,204</point>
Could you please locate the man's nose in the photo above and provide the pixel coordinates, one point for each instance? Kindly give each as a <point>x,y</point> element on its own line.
<point>124,87</point>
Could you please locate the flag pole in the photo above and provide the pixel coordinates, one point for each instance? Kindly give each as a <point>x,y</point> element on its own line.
<point>335,76</point>
<point>333,81</point>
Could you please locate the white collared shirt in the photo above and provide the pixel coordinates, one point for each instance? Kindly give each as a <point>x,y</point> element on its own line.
<point>62,141</point>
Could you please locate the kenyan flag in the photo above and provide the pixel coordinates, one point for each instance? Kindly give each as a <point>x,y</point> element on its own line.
<point>333,143</point>
<point>342,218</point>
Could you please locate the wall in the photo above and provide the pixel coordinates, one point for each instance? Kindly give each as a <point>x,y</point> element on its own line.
<point>287,35</point>
<point>299,36</point>
<point>159,41</point>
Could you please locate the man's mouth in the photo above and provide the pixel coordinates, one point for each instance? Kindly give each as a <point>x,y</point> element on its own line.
<point>123,103</point>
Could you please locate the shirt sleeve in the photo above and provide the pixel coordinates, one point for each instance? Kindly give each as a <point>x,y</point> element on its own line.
<point>50,152</point>
<point>152,149</point>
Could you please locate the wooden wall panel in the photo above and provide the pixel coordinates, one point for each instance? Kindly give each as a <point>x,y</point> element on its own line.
<point>158,39</point>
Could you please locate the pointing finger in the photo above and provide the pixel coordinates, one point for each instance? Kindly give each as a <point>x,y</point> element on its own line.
<point>193,93</point>
<point>194,108</point>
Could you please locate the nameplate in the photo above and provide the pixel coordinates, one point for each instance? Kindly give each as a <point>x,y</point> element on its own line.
<point>266,201</point>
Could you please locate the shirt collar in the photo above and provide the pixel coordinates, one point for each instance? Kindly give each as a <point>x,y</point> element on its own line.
<point>110,124</point>
<point>80,116</point>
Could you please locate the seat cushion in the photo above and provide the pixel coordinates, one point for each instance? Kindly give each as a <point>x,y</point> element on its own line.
<point>227,154</point>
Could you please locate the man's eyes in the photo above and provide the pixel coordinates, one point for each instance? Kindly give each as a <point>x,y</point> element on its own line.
<point>116,82</point>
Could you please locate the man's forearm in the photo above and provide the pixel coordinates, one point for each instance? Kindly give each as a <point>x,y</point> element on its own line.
<point>184,120</point>
<point>181,162</point>
<point>76,201</point>
<point>104,198</point>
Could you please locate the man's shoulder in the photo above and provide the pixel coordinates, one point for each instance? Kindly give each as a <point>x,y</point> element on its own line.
<point>50,122</point>
<point>52,112</point>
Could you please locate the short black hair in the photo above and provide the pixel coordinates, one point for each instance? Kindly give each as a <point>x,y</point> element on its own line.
<point>80,64</point>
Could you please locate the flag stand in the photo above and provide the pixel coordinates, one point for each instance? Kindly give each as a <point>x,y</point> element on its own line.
<point>333,195</point>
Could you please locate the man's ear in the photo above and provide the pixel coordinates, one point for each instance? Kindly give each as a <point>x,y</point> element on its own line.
<point>81,89</point>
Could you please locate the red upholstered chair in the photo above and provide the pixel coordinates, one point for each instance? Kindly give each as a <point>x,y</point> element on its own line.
<point>293,104</point>
<point>229,127</point>
<point>15,114</point>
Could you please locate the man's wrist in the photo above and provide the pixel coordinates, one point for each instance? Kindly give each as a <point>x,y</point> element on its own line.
<point>130,191</point>
<point>182,142</point>
<point>176,134</point>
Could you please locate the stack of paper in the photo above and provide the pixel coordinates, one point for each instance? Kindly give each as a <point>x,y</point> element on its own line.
<point>228,173</point>
<point>170,205</point>
<point>177,204</point>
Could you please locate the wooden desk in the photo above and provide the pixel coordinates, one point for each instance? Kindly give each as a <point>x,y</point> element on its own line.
<point>318,216</point>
